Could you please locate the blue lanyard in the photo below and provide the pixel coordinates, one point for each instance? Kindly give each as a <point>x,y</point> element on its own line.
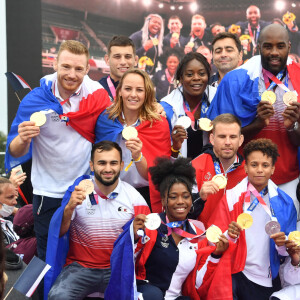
<point>204,106</point>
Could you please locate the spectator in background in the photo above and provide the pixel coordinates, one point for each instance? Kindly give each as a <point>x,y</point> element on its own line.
<point>174,39</point>
<point>252,27</point>
<point>205,51</point>
<point>149,41</point>
<point>227,54</point>
<point>120,57</point>
<point>198,36</point>
<point>164,80</point>
<point>216,28</point>
<point>293,31</point>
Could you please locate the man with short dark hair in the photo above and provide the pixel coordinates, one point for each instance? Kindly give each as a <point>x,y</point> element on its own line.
<point>120,57</point>
<point>240,93</point>
<point>253,27</point>
<point>68,102</point>
<point>92,222</point>
<point>216,28</point>
<point>219,157</point>
<point>174,39</point>
<point>226,53</point>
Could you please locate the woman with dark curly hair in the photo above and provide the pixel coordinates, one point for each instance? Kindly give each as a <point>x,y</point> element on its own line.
<point>192,98</point>
<point>169,256</point>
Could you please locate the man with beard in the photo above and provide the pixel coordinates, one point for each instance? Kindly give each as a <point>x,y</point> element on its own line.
<point>240,93</point>
<point>219,157</point>
<point>198,36</point>
<point>226,54</point>
<point>252,27</point>
<point>93,222</point>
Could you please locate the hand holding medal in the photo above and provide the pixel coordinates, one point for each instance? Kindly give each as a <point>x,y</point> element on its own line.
<point>87,186</point>
<point>214,235</point>
<point>234,229</point>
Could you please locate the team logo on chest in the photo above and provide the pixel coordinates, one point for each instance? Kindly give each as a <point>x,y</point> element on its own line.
<point>164,241</point>
<point>89,208</point>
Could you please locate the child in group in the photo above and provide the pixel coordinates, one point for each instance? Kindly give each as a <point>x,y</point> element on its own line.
<point>265,208</point>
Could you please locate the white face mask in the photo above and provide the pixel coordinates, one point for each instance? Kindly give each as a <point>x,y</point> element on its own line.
<point>6,210</point>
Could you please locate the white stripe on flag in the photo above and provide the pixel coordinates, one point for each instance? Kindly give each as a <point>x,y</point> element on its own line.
<point>38,280</point>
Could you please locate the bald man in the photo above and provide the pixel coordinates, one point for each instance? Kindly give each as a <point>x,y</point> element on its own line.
<point>240,91</point>
<point>252,27</point>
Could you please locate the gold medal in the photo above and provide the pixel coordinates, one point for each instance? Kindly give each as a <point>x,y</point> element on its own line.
<point>213,233</point>
<point>205,124</point>
<point>289,97</point>
<point>191,44</point>
<point>245,220</point>
<point>269,96</point>
<point>220,180</point>
<point>175,35</point>
<point>129,133</point>
<point>295,237</point>
<point>155,42</point>
<point>38,118</point>
<point>87,186</point>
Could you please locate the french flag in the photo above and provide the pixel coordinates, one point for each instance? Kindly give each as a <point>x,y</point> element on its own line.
<point>31,277</point>
<point>17,82</point>
<point>238,91</point>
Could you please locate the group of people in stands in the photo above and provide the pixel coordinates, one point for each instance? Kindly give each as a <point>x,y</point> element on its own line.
<point>107,154</point>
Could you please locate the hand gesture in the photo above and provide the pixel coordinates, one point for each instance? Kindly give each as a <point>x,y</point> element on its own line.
<point>138,223</point>
<point>27,130</point>
<point>294,252</point>
<point>187,49</point>
<point>148,45</point>
<point>76,198</point>
<point>159,109</point>
<point>179,134</point>
<point>135,146</point>
<point>291,114</point>
<point>222,245</point>
<point>17,180</point>
<point>208,188</point>
<point>279,238</point>
<point>234,230</point>
<point>264,111</point>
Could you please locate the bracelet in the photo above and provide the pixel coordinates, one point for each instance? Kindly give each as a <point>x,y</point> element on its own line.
<point>139,159</point>
<point>174,150</point>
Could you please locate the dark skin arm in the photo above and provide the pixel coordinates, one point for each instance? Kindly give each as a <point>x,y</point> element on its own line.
<point>264,111</point>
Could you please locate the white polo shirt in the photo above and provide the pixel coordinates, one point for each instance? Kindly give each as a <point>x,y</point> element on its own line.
<point>59,153</point>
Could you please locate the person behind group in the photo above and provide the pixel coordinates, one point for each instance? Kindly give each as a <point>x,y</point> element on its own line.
<point>71,102</point>
<point>240,93</point>
<point>198,36</point>
<point>227,54</point>
<point>191,98</point>
<point>135,107</point>
<point>253,27</point>
<point>219,157</point>
<point>174,39</point>
<point>149,40</point>
<point>120,57</point>
<point>216,28</point>
<point>92,222</point>
<point>256,259</point>
<point>164,80</point>
<point>166,258</point>
<point>205,51</point>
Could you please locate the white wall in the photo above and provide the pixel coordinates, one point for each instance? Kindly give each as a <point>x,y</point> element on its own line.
<point>3,68</point>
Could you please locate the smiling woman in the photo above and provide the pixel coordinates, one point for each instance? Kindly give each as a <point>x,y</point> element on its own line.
<point>192,98</point>
<point>135,108</point>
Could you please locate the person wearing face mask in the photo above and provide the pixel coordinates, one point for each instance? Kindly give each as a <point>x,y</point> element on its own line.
<point>8,200</point>
<point>149,40</point>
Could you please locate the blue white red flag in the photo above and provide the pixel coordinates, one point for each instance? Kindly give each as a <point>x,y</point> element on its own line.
<point>238,91</point>
<point>17,82</point>
<point>31,277</point>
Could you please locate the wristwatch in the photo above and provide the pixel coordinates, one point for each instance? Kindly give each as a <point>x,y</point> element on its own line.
<point>295,127</point>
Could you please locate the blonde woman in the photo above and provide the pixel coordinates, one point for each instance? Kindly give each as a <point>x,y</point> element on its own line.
<point>149,40</point>
<point>135,106</point>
